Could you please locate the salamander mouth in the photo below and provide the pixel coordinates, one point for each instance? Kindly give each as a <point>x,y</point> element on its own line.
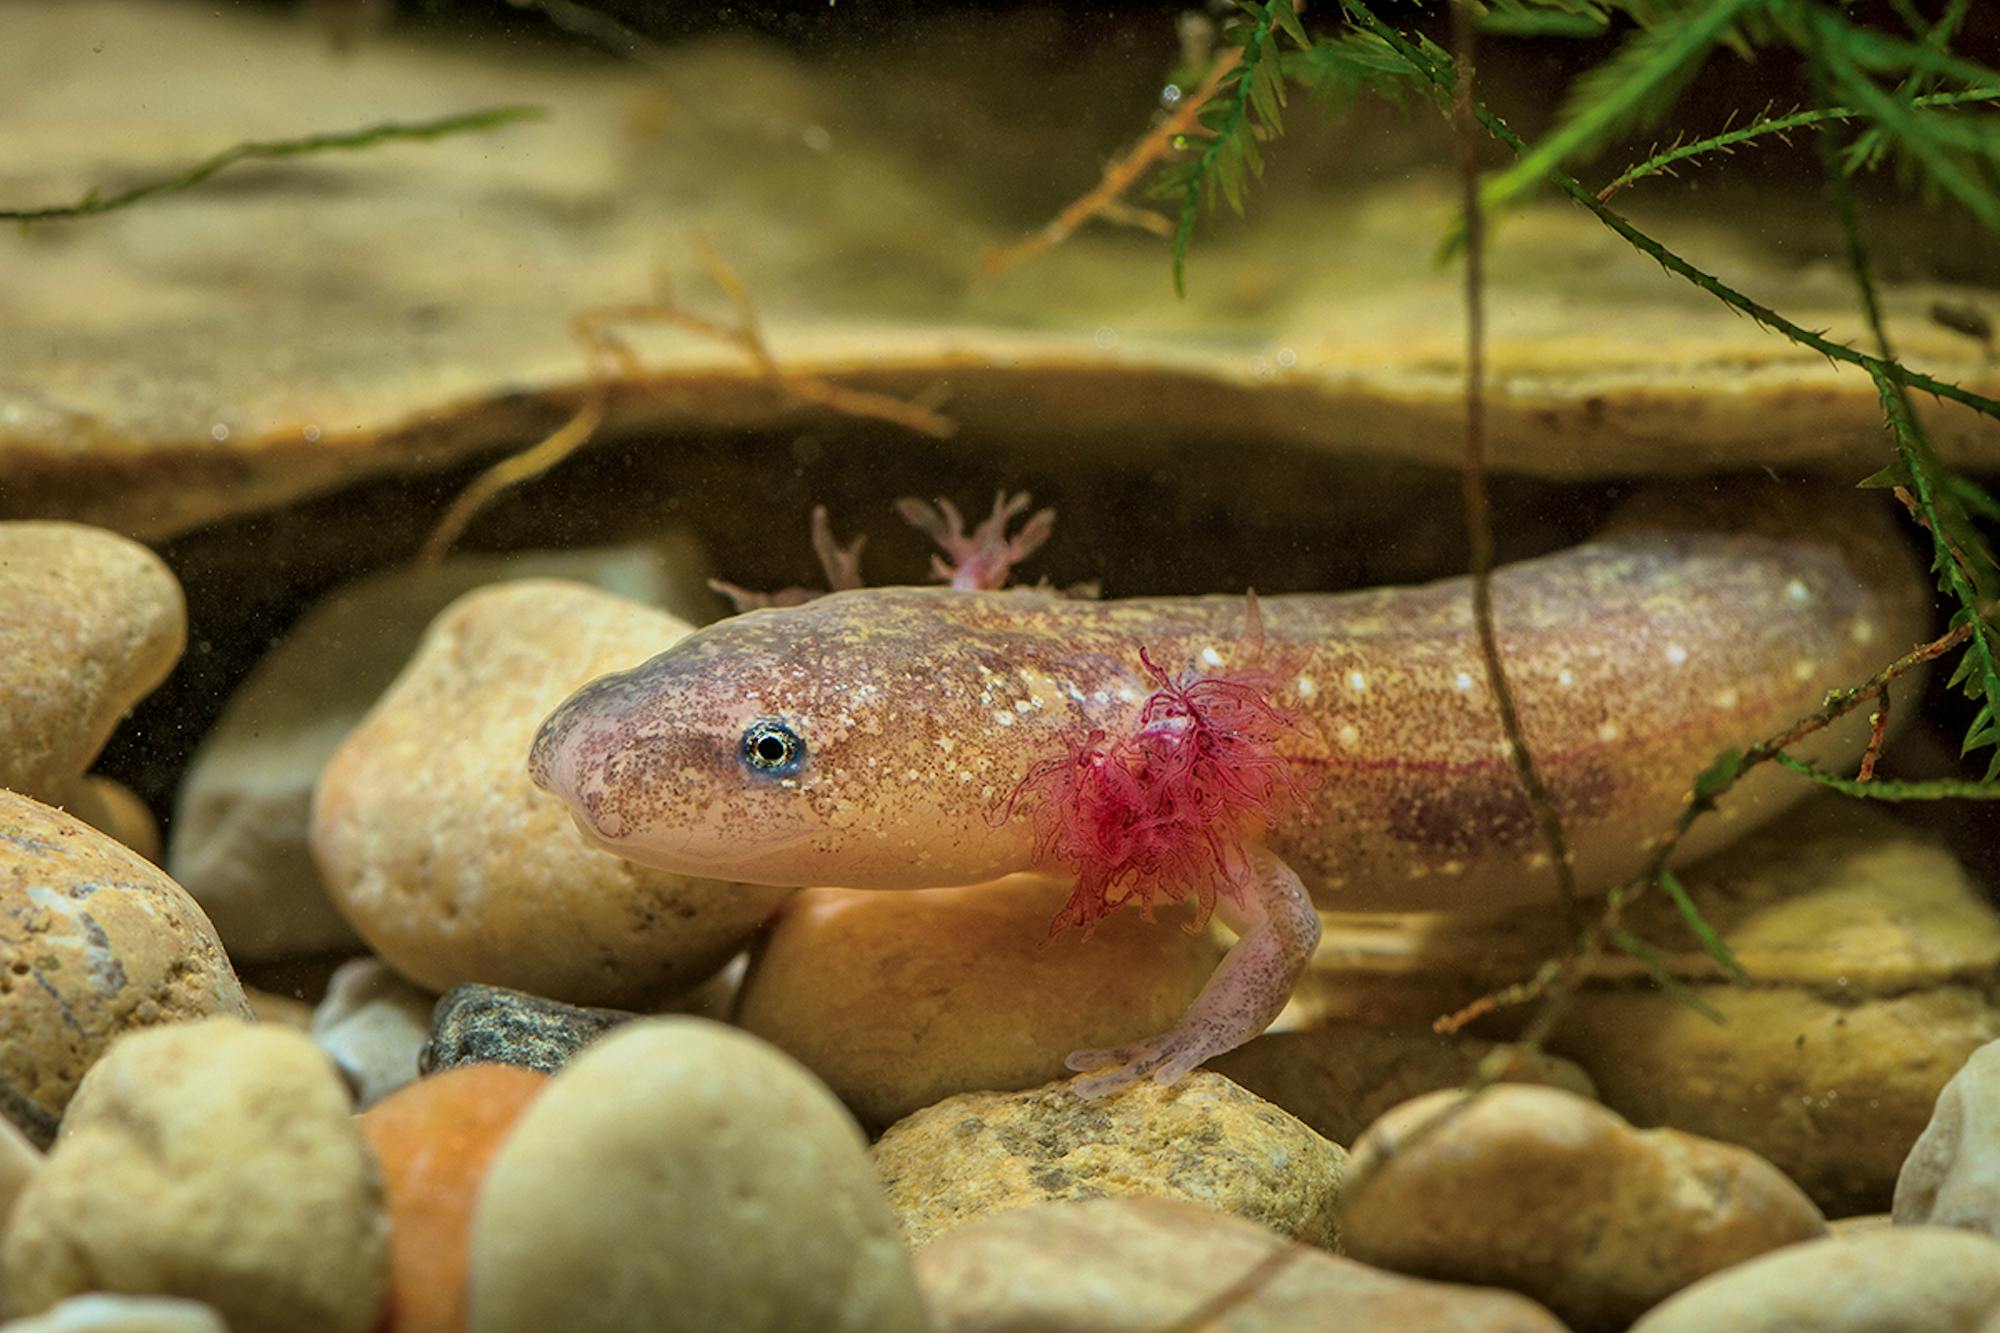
<point>660,848</point>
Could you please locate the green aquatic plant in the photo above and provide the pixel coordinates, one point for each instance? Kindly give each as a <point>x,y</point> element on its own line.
<point>1929,121</point>
<point>94,202</point>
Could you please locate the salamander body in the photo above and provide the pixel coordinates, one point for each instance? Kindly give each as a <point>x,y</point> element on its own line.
<point>886,738</point>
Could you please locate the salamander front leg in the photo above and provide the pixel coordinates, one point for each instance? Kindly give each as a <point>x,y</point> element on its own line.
<point>1277,931</point>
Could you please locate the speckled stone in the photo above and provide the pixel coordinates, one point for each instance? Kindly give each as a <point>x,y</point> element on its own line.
<point>1549,1193</point>
<point>1952,1176</point>
<point>1338,1079</point>
<point>121,1314</point>
<point>1893,1280</point>
<point>1875,958</point>
<point>112,808</point>
<point>1146,1265</point>
<point>1203,1140</point>
<point>900,999</point>
<point>373,1024</point>
<point>474,1024</point>
<point>89,622</point>
<point>680,1175</point>
<point>94,941</point>
<point>19,1161</point>
<point>213,1160</point>
<point>242,813</point>
<point>455,868</point>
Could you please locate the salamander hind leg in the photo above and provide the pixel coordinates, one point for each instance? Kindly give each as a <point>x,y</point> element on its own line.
<point>1277,931</point>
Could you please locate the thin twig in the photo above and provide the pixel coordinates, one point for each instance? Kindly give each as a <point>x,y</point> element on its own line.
<point>93,203</point>
<point>1478,522</point>
<point>606,355</point>
<point>1121,175</point>
<point>1556,983</point>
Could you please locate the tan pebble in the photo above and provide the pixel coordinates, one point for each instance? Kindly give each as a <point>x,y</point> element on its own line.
<point>217,1161</point>
<point>373,1023</point>
<point>1203,1140</point>
<point>1894,1280</point>
<point>111,808</point>
<point>900,999</point>
<point>94,940</point>
<point>271,1007</point>
<point>19,1161</point>
<point>455,868</point>
<point>243,811</point>
<point>1339,1078</point>
<point>1868,941</point>
<point>1952,1176</point>
<point>1549,1193</point>
<point>1848,1226</point>
<point>1144,1265</point>
<point>680,1175</point>
<point>89,623</point>
<point>122,1314</point>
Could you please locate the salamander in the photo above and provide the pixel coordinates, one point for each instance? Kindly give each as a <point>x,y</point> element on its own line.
<point>1259,755</point>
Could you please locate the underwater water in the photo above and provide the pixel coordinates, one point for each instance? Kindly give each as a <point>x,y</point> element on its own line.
<point>794,668</point>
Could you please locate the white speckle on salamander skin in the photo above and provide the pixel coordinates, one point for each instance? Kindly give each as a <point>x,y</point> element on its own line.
<point>1633,659</point>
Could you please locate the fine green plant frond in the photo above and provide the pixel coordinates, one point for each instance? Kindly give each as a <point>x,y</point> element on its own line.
<point>1337,70</point>
<point>1962,561</point>
<point>1543,18</point>
<point>1247,104</point>
<point>1656,968</point>
<point>1637,84</point>
<point>94,202</point>
<point>1882,789</point>
<point>1955,153</point>
<point>1767,126</point>
<point>1869,148</point>
<point>1696,922</point>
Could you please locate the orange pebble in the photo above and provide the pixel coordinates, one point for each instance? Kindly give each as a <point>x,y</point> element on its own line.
<point>435,1139</point>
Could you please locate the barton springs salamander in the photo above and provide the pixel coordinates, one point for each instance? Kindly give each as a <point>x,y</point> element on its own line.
<point>1260,756</point>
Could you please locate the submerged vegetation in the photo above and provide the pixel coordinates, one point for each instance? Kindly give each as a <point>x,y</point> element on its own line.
<point>1903,97</point>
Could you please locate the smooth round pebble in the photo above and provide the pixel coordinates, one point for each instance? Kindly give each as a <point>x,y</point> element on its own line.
<point>243,811</point>
<point>475,1024</point>
<point>94,941</point>
<point>435,1140</point>
<point>1883,1280</point>
<point>455,867</point>
<point>1339,1078</point>
<point>1148,1265</point>
<point>216,1161</point>
<point>680,1175</point>
<point>900,999</point>
<point>90,622</point>
<point>1204,1140</point>
<point>1952,1176</point>
<point>121,1314</point>
<point>374,1025</point>
<point>1549,1193</point>
<point>19,1161</point>
<point>111,808</point>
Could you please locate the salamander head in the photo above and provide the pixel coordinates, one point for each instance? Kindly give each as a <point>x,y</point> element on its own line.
<point>849,741</point>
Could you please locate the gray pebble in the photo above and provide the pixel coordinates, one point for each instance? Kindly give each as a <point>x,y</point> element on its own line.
<point>477,1024</point>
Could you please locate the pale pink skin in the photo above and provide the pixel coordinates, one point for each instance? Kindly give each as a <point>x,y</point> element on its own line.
<point>1634,660</point>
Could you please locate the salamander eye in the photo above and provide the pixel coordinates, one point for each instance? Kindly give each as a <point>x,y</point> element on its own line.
<point>771,747</point>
